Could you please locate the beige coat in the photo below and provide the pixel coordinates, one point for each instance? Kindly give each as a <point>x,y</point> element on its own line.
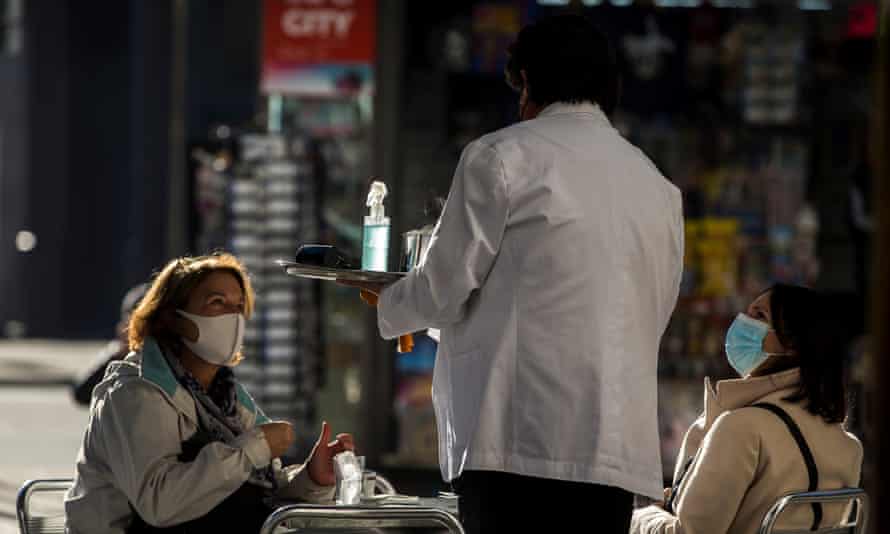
<point>139,418</point>
<point>749,459</point>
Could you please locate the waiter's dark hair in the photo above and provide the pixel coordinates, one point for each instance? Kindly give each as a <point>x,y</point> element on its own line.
<point>809,324</point>
<point>566,59</point>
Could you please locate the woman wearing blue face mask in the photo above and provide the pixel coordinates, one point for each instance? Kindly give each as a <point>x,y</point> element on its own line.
<point>174,442</point>
<point>776,430</point>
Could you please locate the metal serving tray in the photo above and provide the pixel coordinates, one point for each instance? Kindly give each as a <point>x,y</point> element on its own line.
<point>302,270</point>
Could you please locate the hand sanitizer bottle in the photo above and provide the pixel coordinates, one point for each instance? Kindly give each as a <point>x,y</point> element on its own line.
<point>375,238</point>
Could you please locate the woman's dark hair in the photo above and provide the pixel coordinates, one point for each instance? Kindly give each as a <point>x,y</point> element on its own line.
<point>808,323</point>
<point>566,59</point>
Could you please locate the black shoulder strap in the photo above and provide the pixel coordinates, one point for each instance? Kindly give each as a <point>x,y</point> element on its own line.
<point>672,498</point>
<point>804,451</point>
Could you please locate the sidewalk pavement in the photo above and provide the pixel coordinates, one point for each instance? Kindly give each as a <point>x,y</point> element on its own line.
<point>42,362</point>
<point>42,427</point>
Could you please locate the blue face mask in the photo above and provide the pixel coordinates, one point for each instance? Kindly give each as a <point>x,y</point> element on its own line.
<point>744,344</point>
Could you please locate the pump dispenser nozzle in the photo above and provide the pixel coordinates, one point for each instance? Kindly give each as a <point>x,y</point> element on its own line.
<point>375,200</point>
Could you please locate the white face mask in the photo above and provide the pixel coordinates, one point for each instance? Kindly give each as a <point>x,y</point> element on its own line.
<point>219,337</point>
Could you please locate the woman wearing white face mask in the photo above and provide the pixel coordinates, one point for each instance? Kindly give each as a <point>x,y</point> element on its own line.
<point>777,430</point>
<point>174,443</point>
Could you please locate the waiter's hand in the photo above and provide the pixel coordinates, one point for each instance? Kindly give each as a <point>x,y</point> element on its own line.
<point>370,291</point>
<point>369,297</point>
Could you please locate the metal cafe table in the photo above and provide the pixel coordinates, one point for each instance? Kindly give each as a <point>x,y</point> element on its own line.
<point>420,516</point>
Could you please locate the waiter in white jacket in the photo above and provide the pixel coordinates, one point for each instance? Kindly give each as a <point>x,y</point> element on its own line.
<point>552,273</point>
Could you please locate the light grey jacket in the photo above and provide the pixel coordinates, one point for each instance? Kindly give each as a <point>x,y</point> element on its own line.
<point>747,459</point>
<point>139,417</point>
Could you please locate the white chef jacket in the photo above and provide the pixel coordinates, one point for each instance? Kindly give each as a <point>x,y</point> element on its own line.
<point>552,273</point>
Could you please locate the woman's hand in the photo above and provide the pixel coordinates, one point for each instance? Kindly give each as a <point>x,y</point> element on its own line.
<point>279,435</point>
<point>667,497</point>
<point>321,460</point>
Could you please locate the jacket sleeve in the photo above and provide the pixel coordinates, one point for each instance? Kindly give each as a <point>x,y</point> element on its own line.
<point>678,249</point>
<point>652,520</point>
<point>462,249</point>
<point>715,486</point>
<point>141,440</point>
<point>297,484</point>
<point>691,442</point>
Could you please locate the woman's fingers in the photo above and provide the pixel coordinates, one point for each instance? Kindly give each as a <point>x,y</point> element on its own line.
<point>325,432</point>
<point>345,442</point>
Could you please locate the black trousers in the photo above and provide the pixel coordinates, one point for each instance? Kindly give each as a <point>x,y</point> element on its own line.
<point>492,502</point>
<point>242,512</point>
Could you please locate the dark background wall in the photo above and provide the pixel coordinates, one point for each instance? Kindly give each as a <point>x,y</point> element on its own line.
<point>223,63</point>
<point>85,153</point>
<point>13,195</point>
<point>64,176</point>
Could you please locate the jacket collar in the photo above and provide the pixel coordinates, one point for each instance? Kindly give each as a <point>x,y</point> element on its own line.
<point>736,393</point>
<point>564,108</point>
<point>154,368</point>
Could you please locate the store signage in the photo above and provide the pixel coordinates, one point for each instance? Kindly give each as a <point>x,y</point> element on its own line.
<point>319,47</point>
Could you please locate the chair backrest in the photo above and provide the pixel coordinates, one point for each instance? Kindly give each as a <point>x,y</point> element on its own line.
<point>856,524</point>
<point>48,523</point>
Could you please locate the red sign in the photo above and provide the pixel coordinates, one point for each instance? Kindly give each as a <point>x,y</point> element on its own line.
<point>301,35</point>
<point>863,21</point>
<point>319,47</point>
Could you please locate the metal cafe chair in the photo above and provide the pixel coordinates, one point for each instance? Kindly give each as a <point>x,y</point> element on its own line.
<point>856,524</point>
<point>31,523</point>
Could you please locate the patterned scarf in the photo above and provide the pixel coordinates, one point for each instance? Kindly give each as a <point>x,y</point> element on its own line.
<point>217,411</point>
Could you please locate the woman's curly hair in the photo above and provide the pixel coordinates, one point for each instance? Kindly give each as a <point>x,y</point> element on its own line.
<point>170,290</point>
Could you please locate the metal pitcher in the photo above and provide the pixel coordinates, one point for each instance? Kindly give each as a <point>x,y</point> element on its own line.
<point>414,246</point>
